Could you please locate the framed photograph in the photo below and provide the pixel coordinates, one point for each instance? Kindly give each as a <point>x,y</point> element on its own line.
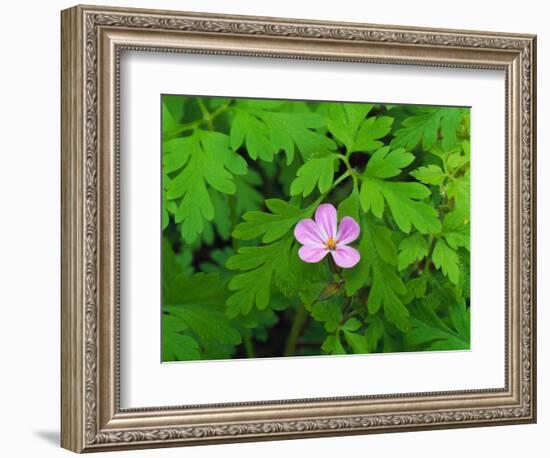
<point>278,228</point>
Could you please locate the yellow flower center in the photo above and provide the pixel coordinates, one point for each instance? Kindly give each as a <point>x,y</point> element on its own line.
<point>331,244</point>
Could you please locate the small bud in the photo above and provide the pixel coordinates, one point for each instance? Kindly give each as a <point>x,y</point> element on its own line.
<point>330,290</point>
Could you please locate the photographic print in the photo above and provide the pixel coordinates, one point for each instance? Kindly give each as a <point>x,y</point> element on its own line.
<point>303,228</point>
<point>312,215</point>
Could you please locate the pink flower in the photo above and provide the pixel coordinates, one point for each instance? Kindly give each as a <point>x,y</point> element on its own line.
<point>323,236</point>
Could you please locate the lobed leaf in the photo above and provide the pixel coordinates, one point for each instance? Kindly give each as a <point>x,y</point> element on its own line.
<point>266,128</point>
<point>271,226</point>
<point>177,346</point>
<point>411,249</point>
<point>198,162</point>
<point>386,285</point>
<point>424,128</point>
<point>431,174</point>
<point>446,259</point>
<point>194,315</point>
<point>258,266</point>
<point>315,172</point>
<point>403,198</point>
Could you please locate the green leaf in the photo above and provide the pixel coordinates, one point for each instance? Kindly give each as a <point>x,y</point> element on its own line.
<point>403,198</point>
<point>333,346</point>
<point>357,342</point>
<point>385,290</point>
<point>411,249</point>
<point>386,163</point>
<point>327,312</point>
<point>173,108</point>
<point>371,131</point>
<point>460,319</point>
<point>316,171</point>
<point>431,333</point>
<point>175,345</point>
<point>458,190</point>
<point>442,294</point>
<point>450,122</point>
<point>271,226</point>
<point>385,284</point>
<point>376,247</point>
<point>455,231</point>
<point>194,321</point>
<point>375,331</point>
<point>249,198</point>
<point>251,130</point>
<point>198,300</point>
<point>385,247</point>
<point>216,264</point>
<point>165,215</point>
<point>446,259</point>
<point>268,128</point>
<point>349,206</point>
<point>352,324</point>
<point>306,282</point>
<point>175,153</point>
<point>416,289</point>
<point>426,125</point>
<point>222,215</point>
<point>344,121</point>
<point>431,174</point>
<point>198,162</point>
<point>456,161</point>
<point>174,264</point>
<point>257,266</point>
<point>436,338</point>
<point>207,322</point>
<point>298,128</point>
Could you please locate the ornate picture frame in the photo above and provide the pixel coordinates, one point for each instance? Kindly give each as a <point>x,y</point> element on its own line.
<point>92,41</point>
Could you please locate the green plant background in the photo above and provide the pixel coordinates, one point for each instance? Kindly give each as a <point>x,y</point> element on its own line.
<point>238,174</point>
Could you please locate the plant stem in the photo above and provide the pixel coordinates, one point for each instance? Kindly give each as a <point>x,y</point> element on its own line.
<point>297,325</point>
<point>340,179</point>
<point>350,170</point>
<point>348,316</point>
<point>334,268</point>
<point>248,345</point>
<point>431,246</point>
<point>209,120</point>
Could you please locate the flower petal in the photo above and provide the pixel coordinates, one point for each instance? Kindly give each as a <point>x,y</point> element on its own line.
<point>307,233</point>
<point>345,256</point>
<point>326,219</point>
<point>348,231</point>
<point>312,254</point>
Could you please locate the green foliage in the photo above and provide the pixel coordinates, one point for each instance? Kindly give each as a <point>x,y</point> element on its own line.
<point>194,316</point>
<point>445,257</point>
<point>176,345</point>
<point>431,174</point>
<point>434,333</point>
<point>378,260</point>
<point>426,125</point>
<point>271,226</point>
<point>239,174</point>
<point>265,127</point>
<point>317,171</point>
<point>348,123</point>
<point>404,199</point>
<point>258,266</point>
<point>192,165</point>
<point>411,249</point>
